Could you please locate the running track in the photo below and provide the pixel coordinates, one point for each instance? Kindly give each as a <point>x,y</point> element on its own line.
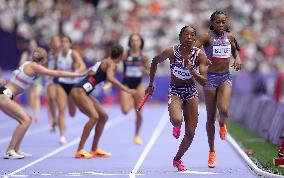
<point>152,159</point>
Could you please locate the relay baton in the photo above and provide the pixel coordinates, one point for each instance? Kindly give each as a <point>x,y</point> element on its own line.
<point>142,102</point>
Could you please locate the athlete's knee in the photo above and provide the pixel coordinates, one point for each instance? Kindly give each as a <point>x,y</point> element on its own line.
<point>26,121</point>
<point>190,134</point>
<point>103,117</point>
<point>125,110</point>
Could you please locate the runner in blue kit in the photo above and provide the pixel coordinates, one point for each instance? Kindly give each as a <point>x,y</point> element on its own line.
<point>219,45</point>
<point>183,95</point>
<point>22,79</point>
<point>90,106</point>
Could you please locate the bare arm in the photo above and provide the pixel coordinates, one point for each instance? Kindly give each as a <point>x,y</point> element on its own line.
<point>38,69</point>
<point>200,76</point>
<point>156,60</point>
<point>2,81</point>
<point>79,63</point>
<point>146,64</point>
<point>237,63</point>
<point>110,72</point>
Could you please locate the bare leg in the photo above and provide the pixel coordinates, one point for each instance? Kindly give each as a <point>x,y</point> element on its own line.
<point>103,117</point>
<point>51,98</point>
<point>61,100</point>
<point>139,119</point>
<point>210,101</point>
<point>190,112</point>
<point>15,111</point>
<point>175,110</point>
<point>85,105</point>
<point>125,102</point>
<point>223,101</point>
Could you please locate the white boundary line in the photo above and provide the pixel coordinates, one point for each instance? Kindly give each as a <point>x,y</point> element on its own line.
<point>157,131</point>
<point>250,163</point>
<point>111,124</point>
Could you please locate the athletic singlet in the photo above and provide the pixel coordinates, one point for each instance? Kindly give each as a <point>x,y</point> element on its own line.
<point>65,63</point>
<point>178,67</point>
<point>219,47</point>
<point>133,66</point>
<point>90,81</point>
<point>21,79</point>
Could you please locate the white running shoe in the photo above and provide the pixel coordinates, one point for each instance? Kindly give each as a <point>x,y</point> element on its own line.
<point>26,155</point>
<point>11,154</point>
<point>62,140</point>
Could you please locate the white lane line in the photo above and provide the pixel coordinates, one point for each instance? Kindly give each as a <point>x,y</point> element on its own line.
<point>111,124</point>
<point>250,163</point>
<point>157,131</point>
<point>198,172</point>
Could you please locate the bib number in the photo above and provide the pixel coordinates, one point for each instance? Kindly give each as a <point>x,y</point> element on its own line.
<point>88,87</point>
<point>222,51</point>
<point>133,71</point>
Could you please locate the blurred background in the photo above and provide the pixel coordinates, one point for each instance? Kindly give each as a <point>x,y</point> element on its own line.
<point>258,26</point>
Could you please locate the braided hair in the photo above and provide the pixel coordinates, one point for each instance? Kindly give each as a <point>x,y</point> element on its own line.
<point>226,28</point>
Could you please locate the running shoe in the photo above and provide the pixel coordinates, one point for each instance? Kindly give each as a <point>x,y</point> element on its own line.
<point>212,160</point>
<point>62,140</point>
<point>179,165</point>
<point>137,140</point>
<point>26,155</point>
<point>176,131</point>
<point>11,154</point>
<point>223,131</point>
<point>83,154</point>
<point>100,153</point>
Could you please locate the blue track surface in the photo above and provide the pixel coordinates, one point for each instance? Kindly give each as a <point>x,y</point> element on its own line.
<point>152,159</point>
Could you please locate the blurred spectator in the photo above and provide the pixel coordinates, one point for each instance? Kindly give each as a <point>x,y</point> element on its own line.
<point>94,24</point>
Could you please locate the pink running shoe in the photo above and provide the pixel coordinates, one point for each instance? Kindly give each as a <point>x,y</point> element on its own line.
<point>179,165</point>
<point>176,131</point>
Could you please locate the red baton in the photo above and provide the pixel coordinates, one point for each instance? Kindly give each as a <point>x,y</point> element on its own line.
<point>142,102</point>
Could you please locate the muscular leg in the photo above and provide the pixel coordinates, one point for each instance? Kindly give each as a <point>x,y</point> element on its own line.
<point>140,92</point>
<point>223,101</point>
<point>190,112</point>
<point>103,117</point>
<point>85,105</point>
<point>125,102</point>
<point>210,101</point>
<point>71,107</point>
<point>51,98</point>
<point>36,90</point>
<point>15,111</point>
<point>175,110</point>
<point>61,100</point>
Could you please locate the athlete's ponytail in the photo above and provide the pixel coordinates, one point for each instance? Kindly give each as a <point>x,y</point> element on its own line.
<point>116,51</point>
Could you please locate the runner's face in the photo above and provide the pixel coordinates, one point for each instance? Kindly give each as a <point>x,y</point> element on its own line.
<point>66,43</point>
<point>55,43</point>
<point>135,42</point>
<point>219,23</point>
<point>188,37</point>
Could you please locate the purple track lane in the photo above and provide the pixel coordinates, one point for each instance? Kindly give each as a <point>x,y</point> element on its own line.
<point>152,159</point>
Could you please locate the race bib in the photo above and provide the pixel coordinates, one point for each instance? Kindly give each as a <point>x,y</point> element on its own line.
<point>8,93</point>
<point>182,74</point>
<point>222,51</point>
<point>133,71</point>
<point>88,87</point>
